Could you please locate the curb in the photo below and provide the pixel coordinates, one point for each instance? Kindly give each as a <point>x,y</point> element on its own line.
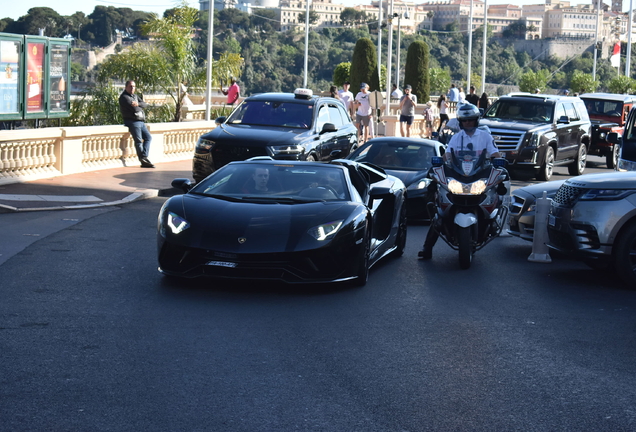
<point>136,196</point>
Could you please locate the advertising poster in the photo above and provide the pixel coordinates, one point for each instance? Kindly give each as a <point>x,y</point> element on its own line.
<point>9,73</point>
<point>59,77</point>
<point>35,77</point>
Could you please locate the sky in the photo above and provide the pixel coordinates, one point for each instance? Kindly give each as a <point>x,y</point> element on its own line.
<point>16,8</point>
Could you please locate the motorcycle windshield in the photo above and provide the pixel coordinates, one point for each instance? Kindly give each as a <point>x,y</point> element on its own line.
<point>467,163</point>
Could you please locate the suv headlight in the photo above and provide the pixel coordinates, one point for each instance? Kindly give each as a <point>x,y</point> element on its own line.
<point>204,146</point>
<point>534,140</point>
<point>606,194</point>
<point>286,150</point>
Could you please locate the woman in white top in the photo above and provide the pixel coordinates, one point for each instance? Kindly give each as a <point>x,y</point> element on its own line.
<point>443,112</point>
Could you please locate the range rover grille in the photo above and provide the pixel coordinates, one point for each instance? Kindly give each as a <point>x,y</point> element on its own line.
<point>567,195</point>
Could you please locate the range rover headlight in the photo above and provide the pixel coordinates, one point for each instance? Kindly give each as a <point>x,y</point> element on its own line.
<point>286,150</point>
<point>606,194</point>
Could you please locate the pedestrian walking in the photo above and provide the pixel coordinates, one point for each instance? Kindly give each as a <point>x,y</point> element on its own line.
<point>233,92</point>
<point>132,110</point>
<point>483,101</point>
<point>443,112</point>
<point>407,106</point>
<point>346,97</point>
<point>363,113</point>
<point>453,94</point>
<point>471,97</point>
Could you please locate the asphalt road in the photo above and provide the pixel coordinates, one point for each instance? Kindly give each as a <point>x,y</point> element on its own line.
<point>92,337</point>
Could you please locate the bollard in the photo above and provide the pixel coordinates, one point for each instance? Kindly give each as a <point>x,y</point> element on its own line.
<point>539,240</point>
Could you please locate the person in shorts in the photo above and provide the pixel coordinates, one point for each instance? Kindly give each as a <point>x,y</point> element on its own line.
<point>408,103</point>
<point>363,113</point>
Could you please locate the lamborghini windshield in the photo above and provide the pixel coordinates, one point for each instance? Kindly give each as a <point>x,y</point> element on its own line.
<point>276,182</point>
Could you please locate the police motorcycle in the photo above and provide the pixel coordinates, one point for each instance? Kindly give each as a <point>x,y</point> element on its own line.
<point>468,212</point>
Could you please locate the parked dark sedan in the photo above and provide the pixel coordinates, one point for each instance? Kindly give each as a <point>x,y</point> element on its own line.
<point>284,126</point>
<point>523,204</point>
<point>289,221</point>
<point>409,159</point>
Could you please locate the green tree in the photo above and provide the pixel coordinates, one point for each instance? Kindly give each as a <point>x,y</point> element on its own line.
<point>582,82</point>
<point>313,17</point>
<point>364,65</point>
<point>341,73</point>
<point>171,61</point>
<point>622,85</point>
<point>530,81</point>
<point>439,80</point>
<point>416,70</point>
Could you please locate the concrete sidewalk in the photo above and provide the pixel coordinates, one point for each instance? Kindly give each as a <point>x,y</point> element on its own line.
<point>107,187</point>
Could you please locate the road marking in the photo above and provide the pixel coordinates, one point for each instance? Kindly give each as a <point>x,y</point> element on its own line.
<point>51,198</point>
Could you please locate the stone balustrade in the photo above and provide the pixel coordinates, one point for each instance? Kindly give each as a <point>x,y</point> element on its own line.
<point>31,154</point>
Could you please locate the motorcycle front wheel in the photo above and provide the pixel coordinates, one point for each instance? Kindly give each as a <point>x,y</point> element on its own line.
<point>465,247</point>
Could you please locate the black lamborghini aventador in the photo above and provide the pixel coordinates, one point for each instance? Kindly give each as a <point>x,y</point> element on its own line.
<point>292,221</point>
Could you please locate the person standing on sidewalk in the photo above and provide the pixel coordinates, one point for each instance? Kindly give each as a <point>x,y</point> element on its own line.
<point>408,103</point>
<point>233,92</point>
<point>132,110</point>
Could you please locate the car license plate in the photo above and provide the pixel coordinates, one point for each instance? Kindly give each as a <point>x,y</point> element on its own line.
<point>551,220</point>
<point>222,264</point>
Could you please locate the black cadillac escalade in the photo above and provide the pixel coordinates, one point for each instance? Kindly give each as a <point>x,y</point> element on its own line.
<point>535,132</point>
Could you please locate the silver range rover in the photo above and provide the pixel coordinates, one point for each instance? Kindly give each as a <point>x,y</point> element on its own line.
<point>593,218</point>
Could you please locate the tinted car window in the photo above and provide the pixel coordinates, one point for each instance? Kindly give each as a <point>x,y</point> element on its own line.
<point>520,110</point>
<point>271,113</point>
<point>283,181</point>
<point>603,107</point>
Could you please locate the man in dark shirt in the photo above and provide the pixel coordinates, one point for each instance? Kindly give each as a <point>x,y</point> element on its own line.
<point>132,111</point>
<point>472,97</point>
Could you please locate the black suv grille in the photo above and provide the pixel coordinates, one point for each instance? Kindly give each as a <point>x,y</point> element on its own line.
<point>506,140</point>
<point>567,196</point>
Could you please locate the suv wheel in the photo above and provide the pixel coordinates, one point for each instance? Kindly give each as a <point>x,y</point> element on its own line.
<point>311,158</point>
<point>577,167</point>
<point>612,158</point>
<point>625,255</point>
<point>545,172</point>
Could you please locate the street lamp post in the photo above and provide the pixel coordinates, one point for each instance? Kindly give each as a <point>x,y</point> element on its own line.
<point>387,102</point>
<point>399,33</point>
<point>380,41</point>
<point>483,48</point>
<point>470,44</point>
<point>208,78</point>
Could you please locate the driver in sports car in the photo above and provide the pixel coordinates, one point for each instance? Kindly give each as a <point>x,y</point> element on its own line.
<point>258,183</point>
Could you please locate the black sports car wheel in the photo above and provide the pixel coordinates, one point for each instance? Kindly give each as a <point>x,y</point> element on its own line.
<point>400,239</point>
<point>465,247</point>
<point>625,255</point>
<point>577,167</point>
<point>363,260</point>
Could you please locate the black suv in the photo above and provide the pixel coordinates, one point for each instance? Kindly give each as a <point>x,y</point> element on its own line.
<point>535,132</point>
<point>285,126</point>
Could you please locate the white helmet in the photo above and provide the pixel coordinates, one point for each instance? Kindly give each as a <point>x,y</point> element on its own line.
<point>468,111</point>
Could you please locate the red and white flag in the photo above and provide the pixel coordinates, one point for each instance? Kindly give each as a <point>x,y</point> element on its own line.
<point>615,59</point>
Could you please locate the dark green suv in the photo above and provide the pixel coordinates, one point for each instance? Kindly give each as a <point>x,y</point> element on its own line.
<point>536,132</point>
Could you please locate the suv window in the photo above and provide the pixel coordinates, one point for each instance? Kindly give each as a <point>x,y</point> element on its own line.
<point>560,111</point>
<point>510,109</point>
<point>571,112</point>
<point>273,113</point>
<point>334,115</point>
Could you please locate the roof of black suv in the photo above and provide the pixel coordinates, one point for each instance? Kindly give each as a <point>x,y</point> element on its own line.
<point>288,97</point>
<point>540,96</point>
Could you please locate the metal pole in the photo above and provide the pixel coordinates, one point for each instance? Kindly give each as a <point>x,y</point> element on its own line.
<point>483,48</point>
<point>306,44</point>
<point>397,48</point>
<point>387,100</point>
<point>208,79</point>
<point>380,41</point>
<point>629,40</point>
<point>470,44</point>
<point>598,14</point>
